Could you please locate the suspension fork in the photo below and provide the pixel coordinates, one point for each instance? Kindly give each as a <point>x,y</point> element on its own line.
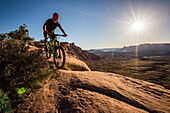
<point>53,44</point>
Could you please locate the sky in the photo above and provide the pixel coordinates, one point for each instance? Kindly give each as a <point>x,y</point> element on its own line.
<point>92,24</point>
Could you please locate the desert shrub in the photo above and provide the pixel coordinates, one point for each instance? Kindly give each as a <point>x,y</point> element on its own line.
<point>30,42</point>
<point>21,34</point>
<point>5,104</point>
<point>41,42</point>
<point>20,67</point>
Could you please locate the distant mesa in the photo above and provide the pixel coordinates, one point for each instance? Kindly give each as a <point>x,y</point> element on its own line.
<point>103,50</point>
<point>142,49</point>
<point>148,49</point>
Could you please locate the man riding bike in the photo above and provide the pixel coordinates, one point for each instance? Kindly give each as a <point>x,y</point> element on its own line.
<point>49,27</point>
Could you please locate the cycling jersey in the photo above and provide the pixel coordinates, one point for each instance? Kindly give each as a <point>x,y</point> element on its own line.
<point>51,26</point>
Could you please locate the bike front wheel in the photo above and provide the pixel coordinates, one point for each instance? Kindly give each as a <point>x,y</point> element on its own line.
<point>59,57</point>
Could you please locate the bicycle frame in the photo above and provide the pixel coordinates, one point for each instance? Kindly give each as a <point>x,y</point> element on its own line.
<point>56,49</point>
<point>53,44</point>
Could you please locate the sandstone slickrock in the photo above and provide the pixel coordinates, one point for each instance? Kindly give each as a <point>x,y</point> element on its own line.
<point>75,64</point>
<point>93,92</point>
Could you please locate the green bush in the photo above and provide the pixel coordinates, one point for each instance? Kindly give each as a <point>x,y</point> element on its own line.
<point>20,67</point>
<point>17,64</point>
<point>21,34</point>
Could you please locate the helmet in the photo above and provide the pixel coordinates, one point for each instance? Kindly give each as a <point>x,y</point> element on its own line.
<point>56,16</point>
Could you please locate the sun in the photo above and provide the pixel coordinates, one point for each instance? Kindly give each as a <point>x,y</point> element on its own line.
<point>138,25</point>
<point>137,22</point>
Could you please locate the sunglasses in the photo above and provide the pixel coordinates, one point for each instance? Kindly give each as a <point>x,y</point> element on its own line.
<point>55,19</point>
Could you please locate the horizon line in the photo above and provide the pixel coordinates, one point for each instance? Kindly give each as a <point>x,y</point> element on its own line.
<point>127,46</point>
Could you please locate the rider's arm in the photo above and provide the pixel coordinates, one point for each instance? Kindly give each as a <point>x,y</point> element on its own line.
<point>62,29</point>
<point>45,27</point>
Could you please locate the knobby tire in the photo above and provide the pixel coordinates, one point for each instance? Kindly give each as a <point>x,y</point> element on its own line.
<point>56,57</point>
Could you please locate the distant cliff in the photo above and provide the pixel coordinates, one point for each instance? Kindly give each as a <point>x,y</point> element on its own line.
<point>103,50</point>
<point>148,49</point>
<point>71,48</point>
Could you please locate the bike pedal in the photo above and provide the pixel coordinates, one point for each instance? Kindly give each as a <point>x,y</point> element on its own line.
<point>55,53</point>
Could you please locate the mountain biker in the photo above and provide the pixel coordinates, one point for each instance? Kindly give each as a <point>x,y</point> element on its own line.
<point>49,27</point>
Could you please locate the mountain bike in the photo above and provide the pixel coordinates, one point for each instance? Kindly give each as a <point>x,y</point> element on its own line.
<point>56,49</point>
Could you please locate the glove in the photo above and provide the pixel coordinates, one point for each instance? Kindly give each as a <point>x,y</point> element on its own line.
<point>46,32</point>
<point>65,35</point>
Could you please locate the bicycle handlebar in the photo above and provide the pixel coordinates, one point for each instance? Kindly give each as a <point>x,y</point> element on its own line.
<point>51,34</point>
<point>59,35</point>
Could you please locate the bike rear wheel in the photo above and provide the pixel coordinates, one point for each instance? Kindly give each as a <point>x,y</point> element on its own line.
<point>48,53</point>
<point>59,57</point>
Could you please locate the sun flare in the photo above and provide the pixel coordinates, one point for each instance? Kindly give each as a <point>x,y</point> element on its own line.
<point>138,25</point>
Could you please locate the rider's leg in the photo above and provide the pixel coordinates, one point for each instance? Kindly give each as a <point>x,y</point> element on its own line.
<point>45,41</point>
